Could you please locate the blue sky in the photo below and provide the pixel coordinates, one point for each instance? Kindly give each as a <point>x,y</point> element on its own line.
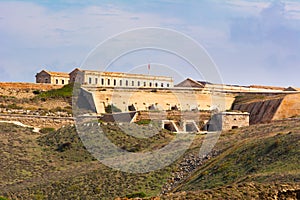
<point>251,42</point>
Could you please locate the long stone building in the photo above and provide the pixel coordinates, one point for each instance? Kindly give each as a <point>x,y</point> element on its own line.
<point>105,79</point>
<point>117,79</point>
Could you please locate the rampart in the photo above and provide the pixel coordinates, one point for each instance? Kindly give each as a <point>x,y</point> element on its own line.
<point>273,109</point>
<point>159,99</point>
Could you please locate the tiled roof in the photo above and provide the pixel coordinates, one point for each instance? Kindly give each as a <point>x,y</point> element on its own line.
<point>61,74</point>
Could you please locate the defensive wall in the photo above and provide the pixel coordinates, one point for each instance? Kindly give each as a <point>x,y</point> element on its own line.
<point>184,99</point>
<point>262,111</point>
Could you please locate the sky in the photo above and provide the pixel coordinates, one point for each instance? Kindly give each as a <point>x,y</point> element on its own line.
<point>250,42</point>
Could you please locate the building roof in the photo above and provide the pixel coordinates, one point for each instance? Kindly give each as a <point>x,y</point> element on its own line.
<point>267,87</point>
<point>74,70</point>
<point>291,89</point>
<point>190,83</point>
<point>59,74</point>
<point>124,74</point>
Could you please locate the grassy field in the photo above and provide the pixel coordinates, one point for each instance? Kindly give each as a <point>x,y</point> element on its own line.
<point>254,161</point>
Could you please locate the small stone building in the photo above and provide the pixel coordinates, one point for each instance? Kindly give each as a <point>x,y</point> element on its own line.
<point>73,76</point>
<point>227,120</point>
<point>55,78</point>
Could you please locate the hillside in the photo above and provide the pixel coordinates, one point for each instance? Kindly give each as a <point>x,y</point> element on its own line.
<point>35,97</point>
<point>36,166</point>
<point>259,160</point>
<point>263,162</point>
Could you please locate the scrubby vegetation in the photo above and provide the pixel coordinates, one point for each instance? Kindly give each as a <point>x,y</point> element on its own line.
<point>40,103</point>
<point>254,162</point>
<point>143,122</point>
<point>65,92</point>
<point>47,130</point>
<point>264,161</point>
<point>56,165</point>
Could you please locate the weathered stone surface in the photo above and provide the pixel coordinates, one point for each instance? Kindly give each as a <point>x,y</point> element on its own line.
<point>274,109</point>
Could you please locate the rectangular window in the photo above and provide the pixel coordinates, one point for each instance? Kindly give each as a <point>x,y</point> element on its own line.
<point>120,82</point>
<point>162,85</point>
<point>96,80</point>
<point>168,85</point>
<point>156,84</point>
<point>90,80</point>
<point>102,81</point>
<point>150,84</point>
<point>56,81</point>
<point>115,82</point>
<point>139,83</point>
<point>126,83</point>
<point>63,82</point>
<point>132,83</point>
<point>108,81</point>
<point>144,84</point>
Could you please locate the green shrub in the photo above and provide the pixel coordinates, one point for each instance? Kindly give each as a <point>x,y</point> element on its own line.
<point>64,92</point>
<point>144,122</point>
<point>47,130</point>
<point>36,92</point>
<point>111,109</point>
<point>2,198</point>
<point>136,195</point>
<point>13,106</point>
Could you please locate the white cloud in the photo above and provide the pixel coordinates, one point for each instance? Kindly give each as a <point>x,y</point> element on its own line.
<point>41,27</point>
<point>246,7</point>
<point>292,9</point>
<point>35,36</point>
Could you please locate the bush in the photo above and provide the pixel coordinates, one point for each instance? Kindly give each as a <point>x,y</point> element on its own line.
<point>143,122</point>
<point>136,195</point>
<point>64,146</point>
<point>64,92</point>
<point>2,198</point>
<point>13,106</point>
<point>47,130</point>
<point>36,92</point>
<point>111,109</point>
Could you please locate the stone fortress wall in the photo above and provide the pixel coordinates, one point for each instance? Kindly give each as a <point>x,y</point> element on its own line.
<point>262,111</point>
<point>159,99</point>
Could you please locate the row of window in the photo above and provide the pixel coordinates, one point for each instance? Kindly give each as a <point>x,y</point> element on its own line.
<point>62,81</point>
<point>127,83</point>
<point>46,80</point>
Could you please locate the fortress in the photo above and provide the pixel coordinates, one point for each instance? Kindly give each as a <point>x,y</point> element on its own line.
<point>124,92</point>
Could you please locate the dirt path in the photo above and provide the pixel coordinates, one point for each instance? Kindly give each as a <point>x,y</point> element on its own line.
<point>35,129</point>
